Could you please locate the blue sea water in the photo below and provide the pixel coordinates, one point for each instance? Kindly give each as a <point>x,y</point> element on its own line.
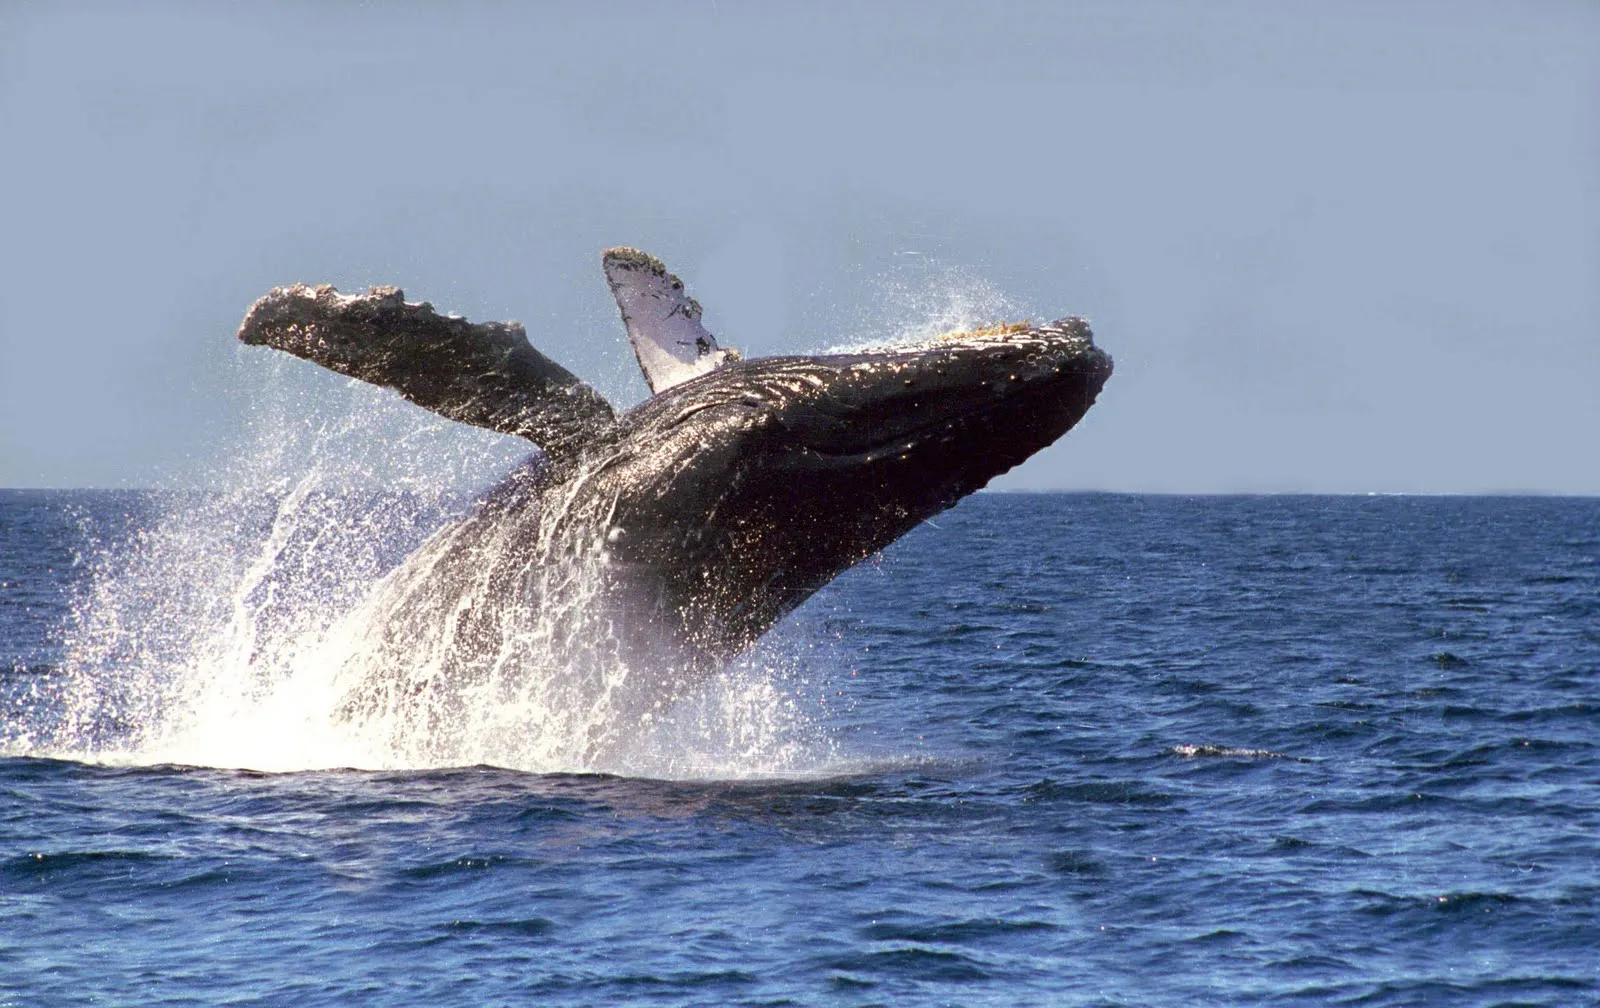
<point>1064,750</point>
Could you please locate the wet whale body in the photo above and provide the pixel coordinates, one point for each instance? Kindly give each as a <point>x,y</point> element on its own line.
<point>667,539</point>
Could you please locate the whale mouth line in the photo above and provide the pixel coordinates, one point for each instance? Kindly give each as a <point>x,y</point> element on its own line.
<point>902,442</point>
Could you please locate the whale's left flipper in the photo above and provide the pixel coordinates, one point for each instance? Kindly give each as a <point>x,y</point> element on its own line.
<point>663,321</point>
<point>485,374</point>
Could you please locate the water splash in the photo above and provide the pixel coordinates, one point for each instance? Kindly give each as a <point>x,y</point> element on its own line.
<point>254,624</point>
<point>938,299</point>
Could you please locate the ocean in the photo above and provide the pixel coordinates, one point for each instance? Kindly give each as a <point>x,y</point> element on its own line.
<point>1052,749</point>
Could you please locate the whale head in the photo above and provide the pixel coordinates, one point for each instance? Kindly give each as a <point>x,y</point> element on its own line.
<point>745,489</point>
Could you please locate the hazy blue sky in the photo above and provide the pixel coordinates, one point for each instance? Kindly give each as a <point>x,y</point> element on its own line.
<point>1333,246</point>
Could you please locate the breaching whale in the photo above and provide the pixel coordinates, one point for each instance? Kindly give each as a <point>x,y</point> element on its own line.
<point>682,529</point>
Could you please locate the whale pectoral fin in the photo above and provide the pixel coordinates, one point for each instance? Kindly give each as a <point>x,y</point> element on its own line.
<point>663,321</point>
<point>485,374</point>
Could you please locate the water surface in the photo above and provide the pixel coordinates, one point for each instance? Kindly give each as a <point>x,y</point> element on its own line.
<point>1052,749</point>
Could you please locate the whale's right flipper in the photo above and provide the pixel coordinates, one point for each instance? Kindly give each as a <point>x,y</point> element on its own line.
<point>663,322</point>
<point>485,374</point>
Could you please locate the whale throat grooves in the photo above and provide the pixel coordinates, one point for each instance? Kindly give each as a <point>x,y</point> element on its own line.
<point>486,374</point>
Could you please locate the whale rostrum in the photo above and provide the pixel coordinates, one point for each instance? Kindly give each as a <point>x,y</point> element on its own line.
<point>701,516</point>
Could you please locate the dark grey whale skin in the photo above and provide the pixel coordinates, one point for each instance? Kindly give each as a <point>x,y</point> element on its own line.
<point>739,494</point>
<point>721,504</point>
<point>709,511</point>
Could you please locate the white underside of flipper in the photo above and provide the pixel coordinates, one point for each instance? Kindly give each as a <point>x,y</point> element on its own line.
<point>663,322</point>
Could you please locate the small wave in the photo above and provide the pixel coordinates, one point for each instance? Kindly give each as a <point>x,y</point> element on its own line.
<point>1099,793</point>
<point>1583,712</point>
<point>690,979</point>
<point>1408,992</point>
<point>919,963</point>
<point>1383,904</point>
<point>1315,963</point>
<point>40,864</point>
<point>1403,801</point>
<point>468,865</point>
<point>955,932</point>
<point>205,880</point>
<point>1071,862</point>
<point>1189,751</point>
<point>531,927</point>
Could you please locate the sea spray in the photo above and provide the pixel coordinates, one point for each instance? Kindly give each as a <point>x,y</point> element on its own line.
<point>912,307</point>
<point>247,625</point>
<point>186,624</point>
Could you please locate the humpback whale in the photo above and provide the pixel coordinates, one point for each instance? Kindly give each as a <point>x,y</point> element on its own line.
<point>673,535</point>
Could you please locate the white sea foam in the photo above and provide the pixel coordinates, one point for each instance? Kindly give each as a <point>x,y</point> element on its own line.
<point>241,627</point>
